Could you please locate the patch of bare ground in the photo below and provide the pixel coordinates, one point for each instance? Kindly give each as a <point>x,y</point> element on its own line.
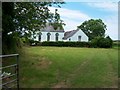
<point>40,85</point>
<point>61,84</point>
<point>67,82</point>
<point>43,63</point>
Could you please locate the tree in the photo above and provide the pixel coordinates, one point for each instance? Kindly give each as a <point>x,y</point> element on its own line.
<point>57,22</point>
<point>21,19</point>
<point>31,17</point>
<point>8,40</point>
<point>93,28</point>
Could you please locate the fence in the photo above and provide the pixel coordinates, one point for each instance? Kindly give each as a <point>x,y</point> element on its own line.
<point>10,80</point>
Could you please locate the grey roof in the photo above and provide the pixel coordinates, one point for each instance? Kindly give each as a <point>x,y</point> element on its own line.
<point>50,28</point>
<point>69,34</point>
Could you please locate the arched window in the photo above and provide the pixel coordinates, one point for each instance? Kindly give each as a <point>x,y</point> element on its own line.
<point>48,36</point>
<point>40,36</point>
<point>56,36</point>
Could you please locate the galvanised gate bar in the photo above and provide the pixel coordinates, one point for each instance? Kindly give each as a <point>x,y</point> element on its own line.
<point>9,80</point>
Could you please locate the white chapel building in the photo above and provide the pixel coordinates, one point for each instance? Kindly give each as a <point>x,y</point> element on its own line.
<point>50,34</point>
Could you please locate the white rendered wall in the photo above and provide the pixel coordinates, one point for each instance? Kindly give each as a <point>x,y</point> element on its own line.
<point>52,36</point>
<point>84,37</point>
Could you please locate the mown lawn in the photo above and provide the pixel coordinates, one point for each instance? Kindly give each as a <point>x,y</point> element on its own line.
<point>68,67</point>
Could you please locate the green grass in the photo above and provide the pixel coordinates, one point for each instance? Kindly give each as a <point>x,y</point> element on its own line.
<point>50,67</point>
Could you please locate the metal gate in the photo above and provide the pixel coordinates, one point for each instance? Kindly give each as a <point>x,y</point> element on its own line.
<point>10,80</point>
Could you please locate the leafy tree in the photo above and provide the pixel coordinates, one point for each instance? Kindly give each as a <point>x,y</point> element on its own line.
<point>8,26</point>
<point>21,19</point>
<point>31,17</point>
<point>57,22</point>
<point>93,28</point>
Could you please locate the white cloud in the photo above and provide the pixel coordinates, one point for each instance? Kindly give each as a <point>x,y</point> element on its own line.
<point>73,18</point>
<point>112,26</point>
<point>112,20</point>
<point>108,6</point>
<point>91,0</point>
<point>71,24</point>
<point>72,14</point>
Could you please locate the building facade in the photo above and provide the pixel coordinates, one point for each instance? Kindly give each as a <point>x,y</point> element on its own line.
<point>75,35</point>
<point>50,34</point>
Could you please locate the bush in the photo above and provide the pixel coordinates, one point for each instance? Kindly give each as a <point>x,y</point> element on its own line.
<point>116,44</point>
<point>34,43</point>
<point>66,44</point>
<point>102,42</point>
<point>110,41</point>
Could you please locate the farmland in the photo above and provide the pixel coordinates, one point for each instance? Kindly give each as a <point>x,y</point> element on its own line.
<point>68,67</point>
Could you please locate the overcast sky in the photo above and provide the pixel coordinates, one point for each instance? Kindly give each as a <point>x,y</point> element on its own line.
<point>75,12</point>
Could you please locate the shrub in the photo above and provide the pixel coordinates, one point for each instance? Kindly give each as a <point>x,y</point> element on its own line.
<point>34,43</point>
<point>102,42</point>
<point>110,41</point>
<point>95,42</point>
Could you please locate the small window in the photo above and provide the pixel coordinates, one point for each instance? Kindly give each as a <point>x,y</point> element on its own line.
<point>56,36</point>
<point>48,36</point>
<point>79,38</point>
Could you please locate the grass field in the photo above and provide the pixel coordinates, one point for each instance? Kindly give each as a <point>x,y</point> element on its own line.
<point>55,67</point>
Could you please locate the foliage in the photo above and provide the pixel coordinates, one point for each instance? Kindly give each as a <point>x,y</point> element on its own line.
<point>98,42</point>
<point>110,41</point>
<point>23,19</point>
<point>102,42</point>
<point>7,18</point>
<point>9,41</point>
<point>93,28</point>
<point>57,23</point>
<point>33,42</point>
<point>66,44</point>
<point>31,17</point>
<point>116,44</point>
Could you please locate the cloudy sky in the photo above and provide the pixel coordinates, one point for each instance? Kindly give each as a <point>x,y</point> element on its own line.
<point>75,12</point>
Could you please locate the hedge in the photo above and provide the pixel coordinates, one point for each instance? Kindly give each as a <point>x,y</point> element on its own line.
<point>98,42</point>
<point>66,44</point>
<point>116,44</point>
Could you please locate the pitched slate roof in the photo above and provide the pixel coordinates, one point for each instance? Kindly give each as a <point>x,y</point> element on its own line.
<point>50,28</point>
<point>69,34</point>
